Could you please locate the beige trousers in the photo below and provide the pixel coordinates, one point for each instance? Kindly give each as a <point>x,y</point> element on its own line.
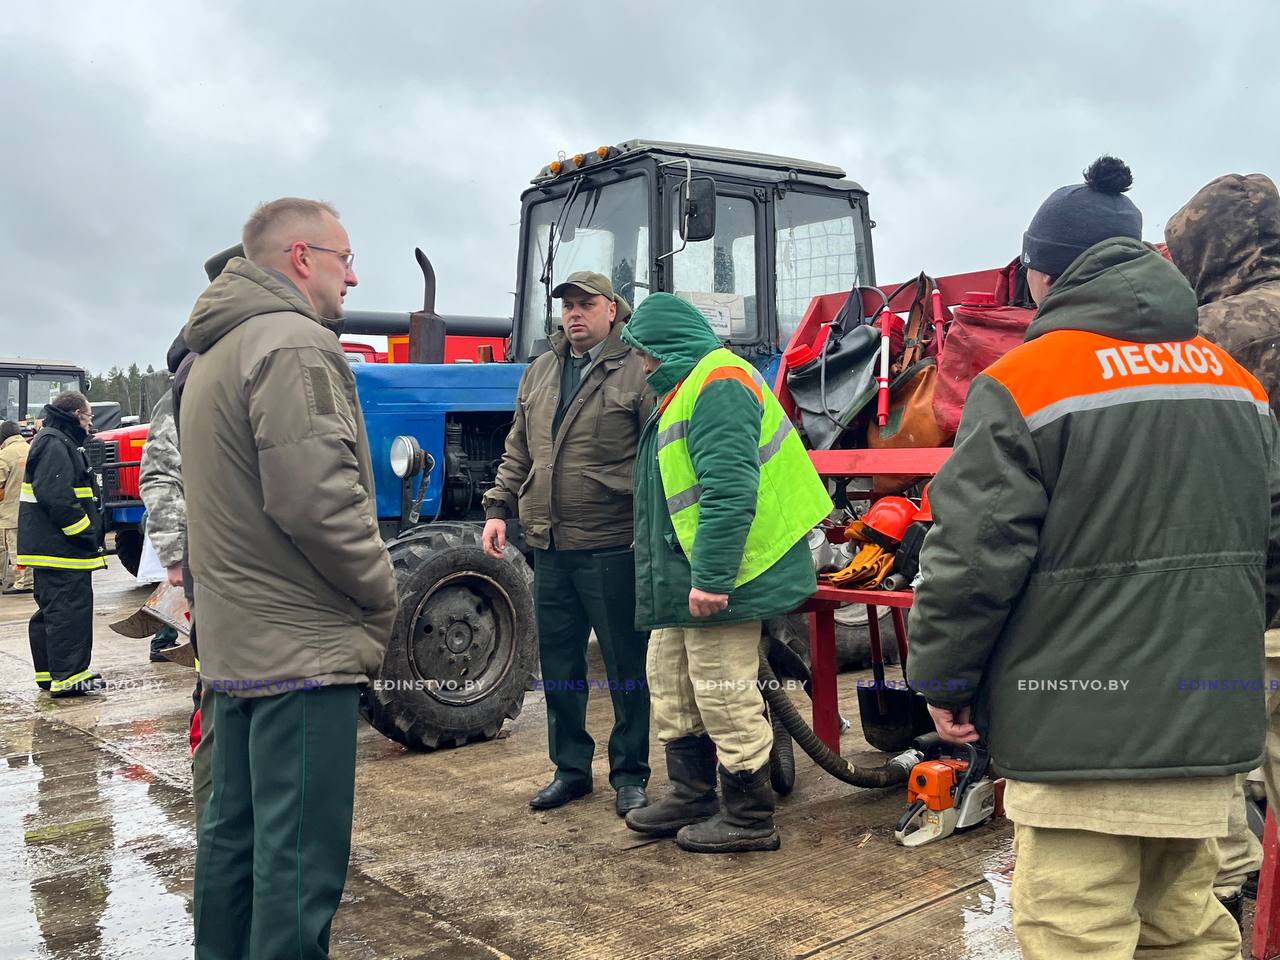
<point>1077,893</point>
<point>1271,763</point>
<point>8,551</point>
<point>1239,852</point>
<point>703,680</point>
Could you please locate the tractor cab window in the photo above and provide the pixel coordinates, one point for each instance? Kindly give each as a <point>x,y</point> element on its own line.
<point>821,248</point>
<point>718,276</point>
<point>44,388</point>
<point>604,229</point>
<point>9,399</point>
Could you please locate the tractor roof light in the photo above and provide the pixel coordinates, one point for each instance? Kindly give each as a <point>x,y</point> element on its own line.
<point>578,159</point>
<point>555,166</point>
<point>406,457</point>
<point>602,152</point>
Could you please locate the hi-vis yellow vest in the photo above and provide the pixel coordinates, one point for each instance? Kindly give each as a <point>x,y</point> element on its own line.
<point>792,498</point>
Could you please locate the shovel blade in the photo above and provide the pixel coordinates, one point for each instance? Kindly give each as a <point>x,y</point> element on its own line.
<point>892,718</point>
<point>167,606</point>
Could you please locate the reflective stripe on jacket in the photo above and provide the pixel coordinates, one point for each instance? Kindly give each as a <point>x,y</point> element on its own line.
<point>59,518</point>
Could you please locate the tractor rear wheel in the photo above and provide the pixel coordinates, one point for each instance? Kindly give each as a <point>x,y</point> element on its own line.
<point>464,648</point>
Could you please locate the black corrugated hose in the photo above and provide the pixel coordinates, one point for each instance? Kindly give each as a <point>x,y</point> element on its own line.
<point>889,774</point>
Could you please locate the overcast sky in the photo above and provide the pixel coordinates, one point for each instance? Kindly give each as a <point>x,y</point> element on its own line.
<point>139,135</point>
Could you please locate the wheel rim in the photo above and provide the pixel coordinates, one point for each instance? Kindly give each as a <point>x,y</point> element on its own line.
<point>462,638</point>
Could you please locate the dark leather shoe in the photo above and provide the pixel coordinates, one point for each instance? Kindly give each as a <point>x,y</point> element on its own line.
<point>557,794</point>
<point>630,798</point>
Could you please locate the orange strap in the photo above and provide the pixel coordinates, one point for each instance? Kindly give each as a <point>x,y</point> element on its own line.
<point>734,373</point>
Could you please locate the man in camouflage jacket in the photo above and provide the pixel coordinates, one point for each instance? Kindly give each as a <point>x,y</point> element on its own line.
<point>1226,241</point>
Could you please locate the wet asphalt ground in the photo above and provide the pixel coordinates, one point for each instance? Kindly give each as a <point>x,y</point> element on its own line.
<point>97,844</point>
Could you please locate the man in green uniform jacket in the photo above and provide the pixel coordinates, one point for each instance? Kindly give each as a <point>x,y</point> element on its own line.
<point>1102,564</point>
<point>725,494</point>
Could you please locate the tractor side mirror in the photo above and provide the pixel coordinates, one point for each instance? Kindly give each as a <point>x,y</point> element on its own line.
<point>698,209</point>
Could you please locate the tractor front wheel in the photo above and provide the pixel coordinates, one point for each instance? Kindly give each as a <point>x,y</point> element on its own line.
<point>464,647</point>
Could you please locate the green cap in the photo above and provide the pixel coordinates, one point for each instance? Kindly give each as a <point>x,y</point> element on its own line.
<point>596,283</point>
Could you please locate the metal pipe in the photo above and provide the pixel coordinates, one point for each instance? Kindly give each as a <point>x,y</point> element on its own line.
<point>382,323</point>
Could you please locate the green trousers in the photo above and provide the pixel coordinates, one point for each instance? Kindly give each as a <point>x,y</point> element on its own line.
<point>575,592</point>
<point>271,857</point>
<point>202,759</point>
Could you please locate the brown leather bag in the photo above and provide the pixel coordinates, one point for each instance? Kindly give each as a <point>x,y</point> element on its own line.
<point>911,421</point>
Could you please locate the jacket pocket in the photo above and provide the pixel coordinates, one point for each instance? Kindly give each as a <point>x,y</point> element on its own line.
<point>617,414</point>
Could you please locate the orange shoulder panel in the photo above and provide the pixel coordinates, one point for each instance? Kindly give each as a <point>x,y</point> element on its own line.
<point>734,373</point>
<point>1073,363</point>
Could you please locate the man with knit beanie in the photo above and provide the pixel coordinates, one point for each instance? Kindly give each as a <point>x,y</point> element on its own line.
<point>1102,544</point>
<point>724,496</point>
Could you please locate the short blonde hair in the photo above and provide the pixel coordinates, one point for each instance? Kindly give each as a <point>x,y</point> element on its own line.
<point>278,223</point>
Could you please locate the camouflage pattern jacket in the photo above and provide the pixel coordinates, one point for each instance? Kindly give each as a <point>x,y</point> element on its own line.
<point>160,484</point>
<point>1226,240</point>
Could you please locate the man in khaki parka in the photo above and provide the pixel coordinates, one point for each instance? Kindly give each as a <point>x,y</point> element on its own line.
<point>567,474</point>
<point>13,464</point>
<point>293,586</point>
<point>1226,241</point>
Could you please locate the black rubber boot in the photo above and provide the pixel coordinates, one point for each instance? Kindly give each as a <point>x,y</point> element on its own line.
<point>744,824</point>
<point>691,768</point>
<point>1235,907</point>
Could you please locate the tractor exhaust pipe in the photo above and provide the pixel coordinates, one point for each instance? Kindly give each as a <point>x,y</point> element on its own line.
<point>426,328</point>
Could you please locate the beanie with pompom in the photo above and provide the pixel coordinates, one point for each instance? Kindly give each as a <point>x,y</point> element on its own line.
<point>1077,216</point>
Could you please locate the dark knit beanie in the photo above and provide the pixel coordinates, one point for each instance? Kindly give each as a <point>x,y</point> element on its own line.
<point>1076,217</point>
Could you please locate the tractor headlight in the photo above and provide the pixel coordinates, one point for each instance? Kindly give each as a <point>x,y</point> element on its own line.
<point>406,457</point>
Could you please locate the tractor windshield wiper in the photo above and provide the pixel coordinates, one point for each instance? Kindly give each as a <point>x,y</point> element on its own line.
<point>553,243</point>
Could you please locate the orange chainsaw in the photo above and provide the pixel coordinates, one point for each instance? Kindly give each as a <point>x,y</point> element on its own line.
<point>948,790</point>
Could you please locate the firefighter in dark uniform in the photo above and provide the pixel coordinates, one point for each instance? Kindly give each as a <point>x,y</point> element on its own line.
<point>60,539</point>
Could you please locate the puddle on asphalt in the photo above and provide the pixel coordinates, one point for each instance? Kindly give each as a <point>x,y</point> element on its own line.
<point>987,915</point>
<point>96,856</point>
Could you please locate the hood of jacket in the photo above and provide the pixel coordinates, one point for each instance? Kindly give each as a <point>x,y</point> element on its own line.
<point>1120,288</point>
<point>674,333</point>
<point>242,291</point>
<point>178,350</point>
<point>1226,240</point>
<point>64,422</point>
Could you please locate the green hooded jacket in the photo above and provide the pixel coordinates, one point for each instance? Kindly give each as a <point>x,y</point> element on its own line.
<point>1106,547</point>
<point>724,446</point>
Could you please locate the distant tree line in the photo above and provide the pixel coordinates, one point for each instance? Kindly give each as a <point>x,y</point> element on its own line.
<point>134,389</point>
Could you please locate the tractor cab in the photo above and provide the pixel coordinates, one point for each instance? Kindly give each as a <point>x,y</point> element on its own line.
<point>747,238</point>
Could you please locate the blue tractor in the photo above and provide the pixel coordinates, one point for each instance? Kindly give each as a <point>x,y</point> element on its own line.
<point>748,238</point>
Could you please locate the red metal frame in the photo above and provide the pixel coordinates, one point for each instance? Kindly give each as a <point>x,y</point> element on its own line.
<point>905,462</point>
<point>1266,914</point>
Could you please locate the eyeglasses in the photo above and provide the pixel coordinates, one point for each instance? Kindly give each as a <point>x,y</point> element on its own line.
<point>347,258</point>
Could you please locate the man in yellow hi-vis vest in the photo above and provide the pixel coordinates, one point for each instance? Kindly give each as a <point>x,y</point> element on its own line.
<point>724,495</point>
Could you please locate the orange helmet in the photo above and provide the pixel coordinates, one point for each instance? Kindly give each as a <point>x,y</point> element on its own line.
<point>890,517</point>
<point>926,511</point>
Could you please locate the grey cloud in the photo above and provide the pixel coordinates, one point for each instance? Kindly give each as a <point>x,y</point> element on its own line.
<point>143,133</point>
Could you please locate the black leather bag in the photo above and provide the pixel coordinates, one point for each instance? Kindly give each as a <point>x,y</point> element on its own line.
<point>833,388</point>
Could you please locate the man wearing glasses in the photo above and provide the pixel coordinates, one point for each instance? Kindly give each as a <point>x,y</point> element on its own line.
<point>60,539</point>
<point>293,586</point>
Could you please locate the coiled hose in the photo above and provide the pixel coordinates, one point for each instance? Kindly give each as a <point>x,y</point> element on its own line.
<point>782,709</point>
